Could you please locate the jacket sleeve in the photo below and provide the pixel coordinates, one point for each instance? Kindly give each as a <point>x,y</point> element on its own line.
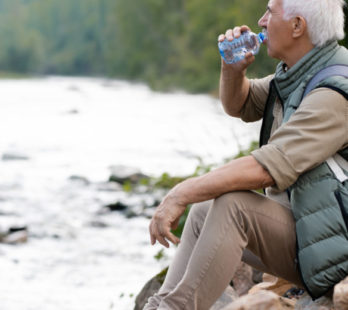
<point>316,131</point>
<point>255,104</point>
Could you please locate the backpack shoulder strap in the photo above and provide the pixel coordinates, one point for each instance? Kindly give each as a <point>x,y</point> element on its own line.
<point>333,70</point>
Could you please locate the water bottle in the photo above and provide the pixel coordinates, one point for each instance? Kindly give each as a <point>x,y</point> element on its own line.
<point>235,50</point>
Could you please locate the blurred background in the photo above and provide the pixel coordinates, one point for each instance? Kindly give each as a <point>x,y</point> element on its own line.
<point>104,106</point>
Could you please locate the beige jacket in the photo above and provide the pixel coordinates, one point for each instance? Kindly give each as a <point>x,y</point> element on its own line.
<point>316,131</point>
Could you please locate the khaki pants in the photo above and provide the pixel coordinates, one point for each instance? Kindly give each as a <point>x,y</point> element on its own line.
<point>217,236</point>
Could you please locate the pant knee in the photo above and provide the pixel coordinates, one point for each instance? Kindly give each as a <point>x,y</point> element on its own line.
<point>234,201</point>
<point>198,214</point>
<point>232,206</point>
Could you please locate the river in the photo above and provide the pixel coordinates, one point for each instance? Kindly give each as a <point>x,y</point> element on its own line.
<point>60,138</point>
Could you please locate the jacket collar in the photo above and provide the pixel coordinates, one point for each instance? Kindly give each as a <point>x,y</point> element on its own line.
<point>286,81</point>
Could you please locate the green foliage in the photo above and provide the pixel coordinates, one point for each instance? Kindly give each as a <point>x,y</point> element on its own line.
<point>160,255</point>
<point>168,44</point>
<point>162,275</point>
<point>167,182</point>
<point>177,232</point>
<point>127,186</point>
<point>253,146</point>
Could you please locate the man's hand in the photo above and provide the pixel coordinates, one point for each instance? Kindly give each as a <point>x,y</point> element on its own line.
<point>230,35</point>
<point>166,217</point>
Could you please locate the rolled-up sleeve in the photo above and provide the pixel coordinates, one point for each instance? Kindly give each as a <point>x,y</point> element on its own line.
<point>254,106</point>
<point>316,131</point>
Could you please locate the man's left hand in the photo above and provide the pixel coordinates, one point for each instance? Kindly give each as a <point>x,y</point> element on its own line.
<point>166,217</point>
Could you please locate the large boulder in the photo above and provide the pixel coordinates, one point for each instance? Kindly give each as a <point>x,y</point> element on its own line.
<point>243,279</point>
<point>272,283</point>
<point>340,296</point>
<point>307,303</point>
<point>261,300</point>
<point>150,288</point>
<point>267,295</point>
<point>227,297</point>
<point>122,174</point>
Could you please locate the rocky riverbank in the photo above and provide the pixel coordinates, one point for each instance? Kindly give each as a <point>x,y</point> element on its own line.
<point>251,290</point>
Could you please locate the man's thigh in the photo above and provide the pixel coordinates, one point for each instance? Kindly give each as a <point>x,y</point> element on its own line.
<point>270,230</point>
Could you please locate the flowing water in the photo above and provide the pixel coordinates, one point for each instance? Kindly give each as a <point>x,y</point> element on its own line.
<point>59,139</point>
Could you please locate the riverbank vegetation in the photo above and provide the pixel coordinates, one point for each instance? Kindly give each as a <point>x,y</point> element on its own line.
<point>136,184</point>
<point>167,44</point>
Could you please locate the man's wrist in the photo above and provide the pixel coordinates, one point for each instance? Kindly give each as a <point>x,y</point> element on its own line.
<point>230,72</point>
<point>182,193</point>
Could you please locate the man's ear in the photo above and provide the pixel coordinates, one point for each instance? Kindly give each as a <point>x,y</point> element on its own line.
<point>299,26</point>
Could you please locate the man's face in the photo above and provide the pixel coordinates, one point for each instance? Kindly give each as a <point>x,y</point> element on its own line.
<point>278,29</point>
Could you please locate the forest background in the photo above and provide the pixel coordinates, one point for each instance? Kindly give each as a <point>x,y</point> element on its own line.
<point>167,44</point>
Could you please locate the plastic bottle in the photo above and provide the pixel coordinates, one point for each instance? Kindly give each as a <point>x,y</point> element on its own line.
<point>235,50</point>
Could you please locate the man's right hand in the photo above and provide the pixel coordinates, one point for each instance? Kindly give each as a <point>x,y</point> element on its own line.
<point>230,34</point>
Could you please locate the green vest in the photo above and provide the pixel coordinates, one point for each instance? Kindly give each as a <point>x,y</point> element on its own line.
<point>318,200</point>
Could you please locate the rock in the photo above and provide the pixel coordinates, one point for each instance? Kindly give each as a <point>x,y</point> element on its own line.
<point>340,296</point>
<point>97,224</point>
<point>243,279</point>
<point>272,283</point>
<point>109,187</point>
<point>14,156</point>
<point>227,297</point>
<point>122,174</point>
<point>81,179</point>
<point>294,292</point>
<point>261,300</point>
<point>257,276</point>
<point>306,303</point>
<point>74,88</point>
<point>150,288</point>
<point>15,235</point>
<point>118,206</point>
<point>73,111</point>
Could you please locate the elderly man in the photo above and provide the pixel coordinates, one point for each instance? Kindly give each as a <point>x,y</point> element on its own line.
<point>298,230</point>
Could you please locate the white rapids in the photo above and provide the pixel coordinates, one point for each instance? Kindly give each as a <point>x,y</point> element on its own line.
<point>54,128</point>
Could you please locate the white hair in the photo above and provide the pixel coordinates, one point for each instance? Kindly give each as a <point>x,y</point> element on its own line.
<point>325,18</point>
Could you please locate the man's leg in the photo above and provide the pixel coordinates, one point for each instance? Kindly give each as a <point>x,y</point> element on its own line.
<point>190,234</point>
<point>235,221</point>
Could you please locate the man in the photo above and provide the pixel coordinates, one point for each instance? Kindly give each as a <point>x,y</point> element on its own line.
<point>298,136</point>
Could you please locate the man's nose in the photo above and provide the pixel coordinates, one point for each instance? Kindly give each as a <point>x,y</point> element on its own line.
<point>262,21</point>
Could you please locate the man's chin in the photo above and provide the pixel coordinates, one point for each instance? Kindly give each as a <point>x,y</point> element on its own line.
<point>271,53</point>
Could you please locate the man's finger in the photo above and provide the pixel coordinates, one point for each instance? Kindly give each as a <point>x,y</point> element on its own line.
<point>221,37</point>
<point>249,58</point>
<point>236,32</point>
<point>153,239</point>
<point>171,237</point>
<point>229,34</point>
<point>162,241</point>
<point>244,28</point>
<point>158,234</point>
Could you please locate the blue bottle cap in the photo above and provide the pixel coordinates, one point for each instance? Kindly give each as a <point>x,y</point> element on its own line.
<point>262,36</point>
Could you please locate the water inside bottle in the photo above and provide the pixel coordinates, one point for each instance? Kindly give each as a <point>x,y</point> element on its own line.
<point>234,51</point>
